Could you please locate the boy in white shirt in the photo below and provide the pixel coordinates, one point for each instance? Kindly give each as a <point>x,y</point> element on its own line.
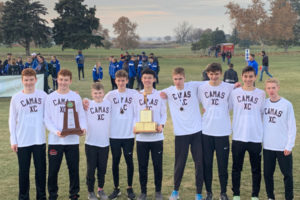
<point>247,103</point>
<point>216,127</point>
<point>27,134</point>
<point>58,143</point>
<point>121,131</point>
<point>185,112</point>
<point>150,142</point>
<point>97,140</point>
<point>279,139</point>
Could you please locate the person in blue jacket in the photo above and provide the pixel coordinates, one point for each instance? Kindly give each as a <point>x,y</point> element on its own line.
<point>28,63</point>
<point>20,63</point>
<point>139,74</point>
<point>113,68</point>
<point>34,61</point>
<point>97,72</point>
<point>131,72</point>
<point>253,63</point>
<point>153,65</point>
<point>55,69</point>
<point>80,64</point>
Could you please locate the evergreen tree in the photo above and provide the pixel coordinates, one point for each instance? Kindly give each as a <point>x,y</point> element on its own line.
<point>21,23</point>
<point>75,25</point>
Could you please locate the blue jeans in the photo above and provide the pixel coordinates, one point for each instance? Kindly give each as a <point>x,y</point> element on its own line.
<point>266,69</point>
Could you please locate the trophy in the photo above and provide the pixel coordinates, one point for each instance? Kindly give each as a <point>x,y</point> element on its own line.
<point>146,124</point>
<point>71,121</point>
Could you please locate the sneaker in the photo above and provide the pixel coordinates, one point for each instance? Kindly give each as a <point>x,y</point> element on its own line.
<point>92,196</point>
<point>198,197</point>
<point>209,196</point>
<point>174,195</point>
<point>101,194</point>
<point>75,197</point>
<point>130,194</point>
<point>254,198</point>
<point>115,194</point>
<point>223,196</point>
<point>158,196</point>
<point>236,198</point>
<point>142,196</point>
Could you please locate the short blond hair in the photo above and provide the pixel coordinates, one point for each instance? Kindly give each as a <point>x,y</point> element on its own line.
<point>272,80</point>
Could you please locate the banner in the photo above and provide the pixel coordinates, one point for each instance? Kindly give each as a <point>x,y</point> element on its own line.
<point>247,54</point>
<point>10,85</point>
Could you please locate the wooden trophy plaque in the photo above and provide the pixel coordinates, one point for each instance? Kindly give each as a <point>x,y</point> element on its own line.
<point>146,124</point>
<point>71,121</point>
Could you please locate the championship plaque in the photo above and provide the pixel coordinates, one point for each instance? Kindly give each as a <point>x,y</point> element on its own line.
<point>146,124</point>
<point>71,121</point>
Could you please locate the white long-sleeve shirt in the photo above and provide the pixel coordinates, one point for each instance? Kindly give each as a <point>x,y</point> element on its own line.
<point>98,123</point>
<point>122,113</point>
<point>184,108</point>
<point>215,101</point>
<point>247,115</point>
<point>159,114</point>
<point>279,125</point>
<point>54,116</point>
<point>26,119</point>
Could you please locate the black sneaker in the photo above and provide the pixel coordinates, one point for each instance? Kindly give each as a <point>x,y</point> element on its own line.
<point>75,197</point>
<point>130,194</point>
<point>209,196</point>
<point>115,194</point>
<point>223,196</point>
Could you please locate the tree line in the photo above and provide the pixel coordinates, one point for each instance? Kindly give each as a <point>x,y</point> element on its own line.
<point>279,25</point>
<point>76,27</point>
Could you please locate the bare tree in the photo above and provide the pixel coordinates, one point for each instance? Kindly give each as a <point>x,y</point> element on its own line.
<point>194,35</point>
<point>167,38</point>
<point>250,22</point>
<point>281,23</point>
<point>182,31</point>
<point>125,29</point>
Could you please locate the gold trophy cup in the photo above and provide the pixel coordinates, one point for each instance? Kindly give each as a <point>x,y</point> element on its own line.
<point>146,124</point>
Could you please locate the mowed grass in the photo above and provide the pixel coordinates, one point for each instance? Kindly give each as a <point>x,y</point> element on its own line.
<point>284,66</point>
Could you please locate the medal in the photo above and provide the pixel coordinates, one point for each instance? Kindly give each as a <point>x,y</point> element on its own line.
<point>122,111</point>
<point>181,109</point>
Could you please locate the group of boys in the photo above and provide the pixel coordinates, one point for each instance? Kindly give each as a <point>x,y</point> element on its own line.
<point>276,130</point>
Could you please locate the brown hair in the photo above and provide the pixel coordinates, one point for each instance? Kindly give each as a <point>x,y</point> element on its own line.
<point>272,80</point>
<point>121,74</point>
<point>214,67</point>
<point>65,72</point>
<point>178,70</point>
<point>28,72</point>
<point>97,86</point>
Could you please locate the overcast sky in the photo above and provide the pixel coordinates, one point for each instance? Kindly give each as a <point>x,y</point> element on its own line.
<point>159,17</point>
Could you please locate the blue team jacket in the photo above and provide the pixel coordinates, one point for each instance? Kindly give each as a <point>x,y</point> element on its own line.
<point>80,60</point>
<point>97,74</point>
<point>131,68</point>
<point>253,64</point>
<point>56,65</point>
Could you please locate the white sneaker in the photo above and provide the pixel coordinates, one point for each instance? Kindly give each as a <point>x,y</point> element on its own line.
<point>236,198</point>
<point>254,198</point>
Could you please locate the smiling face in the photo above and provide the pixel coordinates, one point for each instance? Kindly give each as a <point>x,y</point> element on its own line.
<point>249,78</point>
<point>214,77</point>
<point>121,82</point>
<point>148,80</point>
<point>97,95</point>
<point>64,83</point>
<point>29,83</point>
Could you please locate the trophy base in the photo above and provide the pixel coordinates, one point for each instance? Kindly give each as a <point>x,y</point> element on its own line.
<point>72,131</point>
<point>145,127</point>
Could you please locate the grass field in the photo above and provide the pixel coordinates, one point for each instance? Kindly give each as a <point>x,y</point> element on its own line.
<point>284,66</point>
